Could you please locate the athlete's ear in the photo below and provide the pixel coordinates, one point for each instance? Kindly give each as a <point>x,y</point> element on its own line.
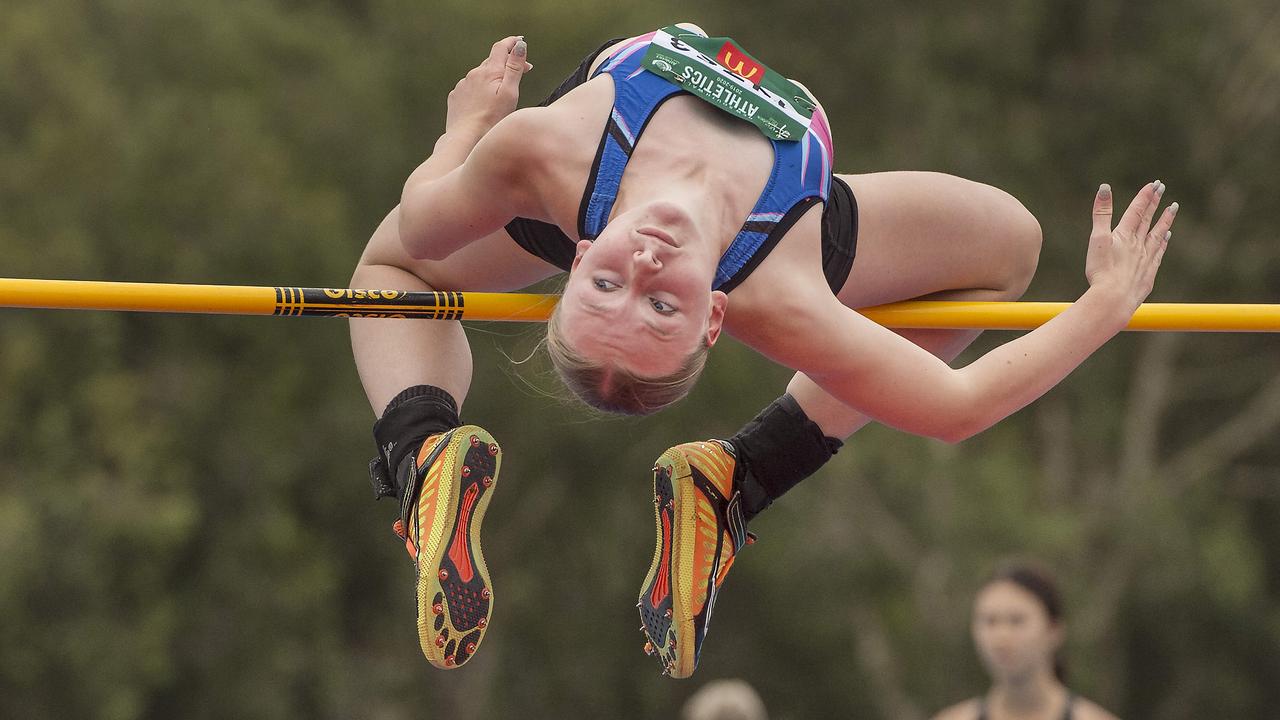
<point>579,249</point>
<point>719,301</point>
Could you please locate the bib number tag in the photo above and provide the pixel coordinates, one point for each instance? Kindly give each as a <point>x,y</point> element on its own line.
<point>719,71</point>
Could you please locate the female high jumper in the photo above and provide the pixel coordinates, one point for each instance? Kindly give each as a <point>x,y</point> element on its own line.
<point>688,190</point>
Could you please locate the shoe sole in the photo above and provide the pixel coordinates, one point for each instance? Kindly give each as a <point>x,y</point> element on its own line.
<point>666,598</point>
<point>455,595</point>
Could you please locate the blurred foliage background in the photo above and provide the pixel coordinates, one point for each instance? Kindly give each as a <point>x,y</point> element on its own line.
<point>185,525</point>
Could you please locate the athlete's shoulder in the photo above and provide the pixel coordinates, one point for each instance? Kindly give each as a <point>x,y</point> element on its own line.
<point>505,167</point>
<point>1085,709</point>
<point>525,136</point>
<point>967,710</point>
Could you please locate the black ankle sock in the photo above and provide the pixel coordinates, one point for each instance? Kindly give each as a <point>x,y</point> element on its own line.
<point>776,450</point>
<point>410,417</point>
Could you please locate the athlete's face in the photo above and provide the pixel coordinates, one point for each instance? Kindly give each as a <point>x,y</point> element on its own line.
<point>1013,632</point>
<point>640,296</point>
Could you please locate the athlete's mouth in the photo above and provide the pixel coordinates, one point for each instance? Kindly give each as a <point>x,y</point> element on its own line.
<point>659,234</point>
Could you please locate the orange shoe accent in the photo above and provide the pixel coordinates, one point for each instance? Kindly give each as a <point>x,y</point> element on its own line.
<point>662,588</point>
<point>458,548</point>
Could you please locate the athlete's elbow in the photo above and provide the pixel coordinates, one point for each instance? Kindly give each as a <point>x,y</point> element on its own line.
<point>941,422</point>
<point>961,418</point>
<point>957,433</point>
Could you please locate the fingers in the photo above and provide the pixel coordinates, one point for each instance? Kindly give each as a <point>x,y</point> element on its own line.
<point>498,53</point>
<point>1159,252</point>
<point>1157,241</point>
<point>1137,218</point>
<point>504,54</point>
<point>1161,232</point>
<point>1149,212</point>
<point>514,68</point>
<point>516,62</point>
<point>1102,203</point>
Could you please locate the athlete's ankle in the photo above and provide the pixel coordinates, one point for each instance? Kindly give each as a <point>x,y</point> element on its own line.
<point>775,451</point>
<point>410,418</point>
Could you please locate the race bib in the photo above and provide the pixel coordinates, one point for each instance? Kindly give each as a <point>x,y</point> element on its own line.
<point>719,71</point>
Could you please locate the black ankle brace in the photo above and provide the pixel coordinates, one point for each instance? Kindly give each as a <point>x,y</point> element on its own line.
<point>776,450</point>
<point>410,417</point>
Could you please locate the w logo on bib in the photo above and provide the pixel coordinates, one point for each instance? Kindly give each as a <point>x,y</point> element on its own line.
<point>738,62</point>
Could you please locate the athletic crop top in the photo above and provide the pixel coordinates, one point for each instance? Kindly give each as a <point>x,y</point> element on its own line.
<point>839,235</point>
<point>801,174</point>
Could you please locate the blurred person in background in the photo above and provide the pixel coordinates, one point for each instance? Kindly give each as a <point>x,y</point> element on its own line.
<point>1018,629</point>
<point>724,700</point>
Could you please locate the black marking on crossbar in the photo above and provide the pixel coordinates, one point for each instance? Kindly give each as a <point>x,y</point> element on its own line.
<point>288,301</point>
<point>315,302</point>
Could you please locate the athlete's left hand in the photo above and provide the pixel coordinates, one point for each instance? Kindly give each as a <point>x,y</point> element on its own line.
<point>489,91</point>
<point>1125,259</point>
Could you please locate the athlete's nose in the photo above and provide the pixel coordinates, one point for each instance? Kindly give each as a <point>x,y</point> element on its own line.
<point>647,258</point>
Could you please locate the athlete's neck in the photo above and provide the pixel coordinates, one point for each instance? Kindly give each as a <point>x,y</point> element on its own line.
<point>679,205</point>
<point>1037,696</point>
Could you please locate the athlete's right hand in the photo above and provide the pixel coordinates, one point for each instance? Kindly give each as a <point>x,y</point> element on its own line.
<point>490,90</point>
<point>1124,260</point>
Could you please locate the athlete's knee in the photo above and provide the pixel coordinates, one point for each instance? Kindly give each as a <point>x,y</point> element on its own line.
<point>366,274</point>
<point>1021,238</point>
<point>1028,239</point>
<point>373,275</point>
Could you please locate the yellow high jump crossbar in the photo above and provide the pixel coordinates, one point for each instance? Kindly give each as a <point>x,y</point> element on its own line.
<point>522,307</point>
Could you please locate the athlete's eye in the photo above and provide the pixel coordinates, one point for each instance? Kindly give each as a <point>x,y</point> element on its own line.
<point>605,285</point>
<point>664,308</point>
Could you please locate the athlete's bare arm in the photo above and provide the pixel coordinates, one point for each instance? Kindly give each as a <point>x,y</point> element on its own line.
<point>441,215</point>
<point>899,384</point>
<point>470,180</point>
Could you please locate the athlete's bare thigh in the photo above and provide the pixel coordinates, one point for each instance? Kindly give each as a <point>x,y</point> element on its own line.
<point>922,233</point>
<point>491,264</point>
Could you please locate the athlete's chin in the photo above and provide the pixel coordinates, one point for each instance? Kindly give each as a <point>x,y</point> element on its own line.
<point>668,213</point>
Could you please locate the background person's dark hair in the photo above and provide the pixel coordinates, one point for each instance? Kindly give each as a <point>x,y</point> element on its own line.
<point>1037,580</point>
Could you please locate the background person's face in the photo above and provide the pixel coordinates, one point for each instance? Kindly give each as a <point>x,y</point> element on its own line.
<point>1012,631</point>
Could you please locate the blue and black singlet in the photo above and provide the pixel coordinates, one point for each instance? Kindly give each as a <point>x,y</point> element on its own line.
<point>802,175</point>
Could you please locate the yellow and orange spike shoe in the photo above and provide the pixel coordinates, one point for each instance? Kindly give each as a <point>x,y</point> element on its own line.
<point>700,529</point>
<point>440,524</point>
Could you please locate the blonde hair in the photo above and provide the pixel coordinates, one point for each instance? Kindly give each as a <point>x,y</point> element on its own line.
<point>615,389</point>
